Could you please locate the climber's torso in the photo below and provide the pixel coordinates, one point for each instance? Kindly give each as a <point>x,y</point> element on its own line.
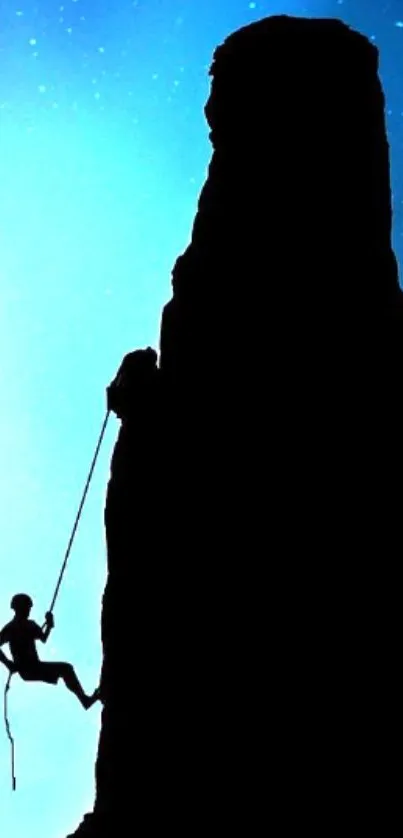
<point>21,636</point>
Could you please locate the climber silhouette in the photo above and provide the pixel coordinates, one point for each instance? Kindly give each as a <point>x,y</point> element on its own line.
<point>21,634</point>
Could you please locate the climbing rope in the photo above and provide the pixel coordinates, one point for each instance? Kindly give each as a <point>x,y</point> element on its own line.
<point>14,782</point>
<point>59,582</point>
<point>80,509</point>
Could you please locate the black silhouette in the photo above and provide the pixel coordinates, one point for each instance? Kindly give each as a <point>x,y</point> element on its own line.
<point>21,634</point>
<point>132,382</point>
<point>255,491</point>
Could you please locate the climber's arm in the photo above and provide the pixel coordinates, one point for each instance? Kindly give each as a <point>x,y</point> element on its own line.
<point>3,658</point>
<point>43,634</point>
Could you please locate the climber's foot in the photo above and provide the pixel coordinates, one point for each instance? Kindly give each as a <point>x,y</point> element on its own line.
<point>89,700</point>
<point>100,695</point>
<point>96,696</point>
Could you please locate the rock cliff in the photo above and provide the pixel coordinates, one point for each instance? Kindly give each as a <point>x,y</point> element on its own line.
<point>252,513</point>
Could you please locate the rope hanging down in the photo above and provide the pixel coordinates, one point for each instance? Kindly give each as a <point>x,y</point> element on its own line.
<point>14,782</point>
<point>59,582</point>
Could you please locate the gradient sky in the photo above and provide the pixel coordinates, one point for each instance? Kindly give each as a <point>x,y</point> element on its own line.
<point>103,151</point>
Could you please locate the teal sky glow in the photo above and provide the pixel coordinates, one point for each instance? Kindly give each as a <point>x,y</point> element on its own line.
<point>103,151</point>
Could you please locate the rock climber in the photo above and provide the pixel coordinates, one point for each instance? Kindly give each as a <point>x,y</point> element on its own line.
<point>21,633</point>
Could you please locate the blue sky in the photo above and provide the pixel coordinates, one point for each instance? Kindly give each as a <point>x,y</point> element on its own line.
<point>103,151</point>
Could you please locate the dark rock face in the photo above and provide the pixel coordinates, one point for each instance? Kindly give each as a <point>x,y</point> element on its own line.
<point>252,513</point>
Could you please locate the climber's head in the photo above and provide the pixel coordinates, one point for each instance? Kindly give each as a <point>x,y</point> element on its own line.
<point>21,604</point>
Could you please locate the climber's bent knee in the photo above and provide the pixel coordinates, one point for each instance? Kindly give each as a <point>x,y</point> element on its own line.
<point>65,669</point>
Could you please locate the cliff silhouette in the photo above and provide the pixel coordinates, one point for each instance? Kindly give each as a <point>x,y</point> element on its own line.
<point>252,512</point>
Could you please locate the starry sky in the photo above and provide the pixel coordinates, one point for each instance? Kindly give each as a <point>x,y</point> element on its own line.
<point>103,151</point>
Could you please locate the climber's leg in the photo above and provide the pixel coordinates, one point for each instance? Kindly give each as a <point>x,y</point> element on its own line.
<point>49,673</point>
<point>72,683</point>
